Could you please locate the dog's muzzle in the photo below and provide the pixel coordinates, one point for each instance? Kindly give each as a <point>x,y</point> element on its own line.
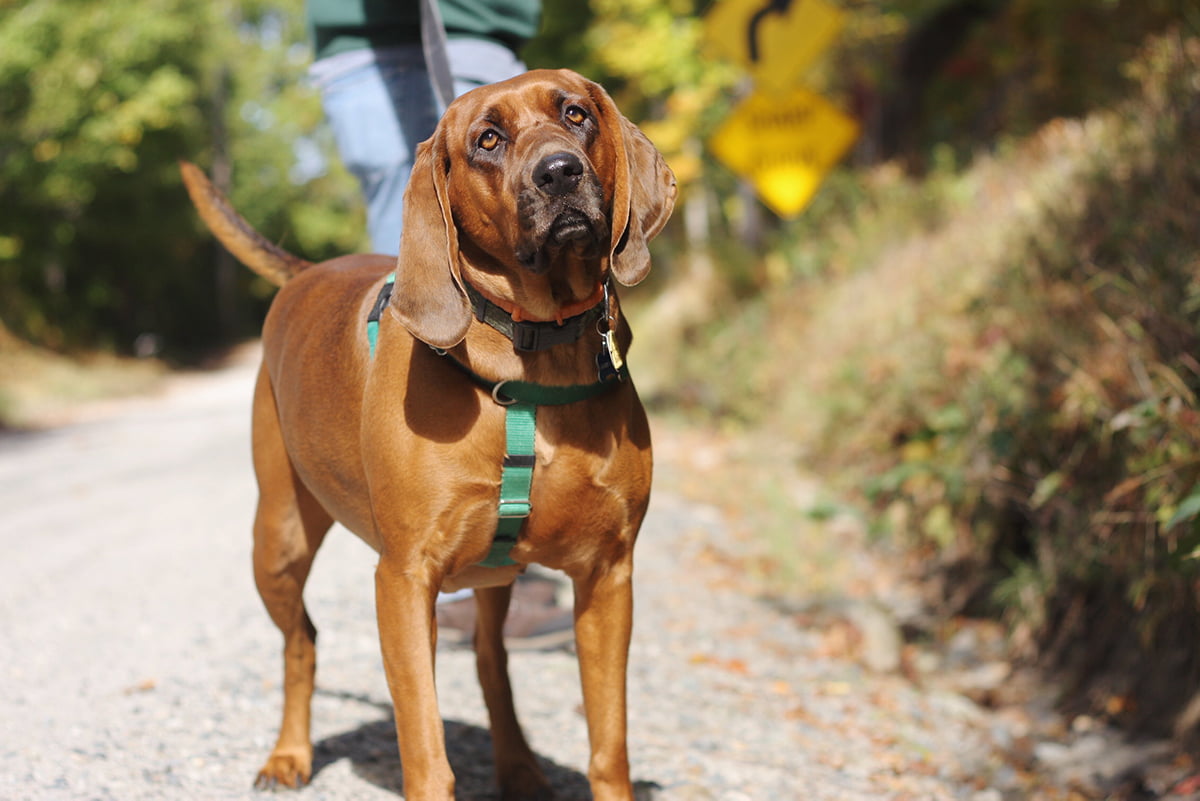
<point>561,206</point>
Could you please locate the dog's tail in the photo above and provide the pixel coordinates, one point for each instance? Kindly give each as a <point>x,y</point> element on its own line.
<point>247,245</point>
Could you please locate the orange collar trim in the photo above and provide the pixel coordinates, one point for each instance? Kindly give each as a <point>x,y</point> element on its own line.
<point>519,315</point>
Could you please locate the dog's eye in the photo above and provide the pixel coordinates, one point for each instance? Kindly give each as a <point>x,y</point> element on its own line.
<point>575,115</point>
<point>489,140</point>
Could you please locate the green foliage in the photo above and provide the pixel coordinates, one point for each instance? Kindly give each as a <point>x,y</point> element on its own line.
<point>1058,381</point>
<point>642,51</point>
<point>1020,64</point>
<point>98,101</point>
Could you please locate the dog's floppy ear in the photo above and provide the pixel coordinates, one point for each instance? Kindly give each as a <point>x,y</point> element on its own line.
<point>643,191</point>
<point>429,297</point>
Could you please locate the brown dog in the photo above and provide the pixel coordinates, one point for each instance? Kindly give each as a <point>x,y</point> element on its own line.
<point>531,196</point>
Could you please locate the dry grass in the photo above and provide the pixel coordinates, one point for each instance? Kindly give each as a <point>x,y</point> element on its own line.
<point>1009,383</point>
<point>39,387</point>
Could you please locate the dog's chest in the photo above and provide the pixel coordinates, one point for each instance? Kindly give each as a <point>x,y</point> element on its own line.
<point>580,494</point>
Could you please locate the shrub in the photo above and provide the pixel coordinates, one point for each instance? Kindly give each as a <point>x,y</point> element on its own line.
<point>1017,390</point>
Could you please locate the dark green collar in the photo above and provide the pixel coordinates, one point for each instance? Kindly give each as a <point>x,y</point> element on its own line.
<point>509,392</point>
<point>529,336</point>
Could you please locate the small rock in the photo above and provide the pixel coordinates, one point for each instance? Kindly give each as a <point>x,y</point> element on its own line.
<point>882,643</point>
<point>979,683</point>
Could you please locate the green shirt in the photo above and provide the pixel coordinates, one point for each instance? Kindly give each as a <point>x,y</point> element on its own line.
<point>338,26</point>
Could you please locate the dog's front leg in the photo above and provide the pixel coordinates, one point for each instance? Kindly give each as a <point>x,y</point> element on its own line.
<point>603,626</point>
<point>408,637</point>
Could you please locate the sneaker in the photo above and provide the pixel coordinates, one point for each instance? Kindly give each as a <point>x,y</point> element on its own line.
<point>535,622</point>
<point>536,588</point>
<point>456,621</point>
<point>538,627</point>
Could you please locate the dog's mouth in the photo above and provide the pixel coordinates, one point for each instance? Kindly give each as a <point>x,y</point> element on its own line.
<point>570,226</point>
<point>571,229</point>
<point>555,225</point>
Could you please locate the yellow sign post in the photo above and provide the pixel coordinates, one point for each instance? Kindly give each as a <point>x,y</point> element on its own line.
<point>775,40</point>
<point>781,138</point>
<point>784,144</point>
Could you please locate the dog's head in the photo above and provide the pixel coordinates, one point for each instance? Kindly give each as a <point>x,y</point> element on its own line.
<point>526,175</point>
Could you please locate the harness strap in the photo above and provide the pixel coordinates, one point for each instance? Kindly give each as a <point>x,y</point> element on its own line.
<point>520,399</point>
<point>381,302</point>
<point>510,392</point>
<point>516,481</point>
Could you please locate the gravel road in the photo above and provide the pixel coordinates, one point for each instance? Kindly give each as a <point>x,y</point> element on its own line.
<point>137,663</point>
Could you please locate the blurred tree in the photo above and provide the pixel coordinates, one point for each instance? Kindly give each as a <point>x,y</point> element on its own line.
<point>99,246</point>
<point>925,75</point>
<point>923,53</point>
<point>98,242</point>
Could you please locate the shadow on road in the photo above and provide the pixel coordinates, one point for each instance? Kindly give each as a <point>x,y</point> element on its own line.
<point>372,751</point>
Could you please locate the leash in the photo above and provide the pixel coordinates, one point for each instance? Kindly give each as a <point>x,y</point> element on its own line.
<point>437,61</point>
<point>521,399</point>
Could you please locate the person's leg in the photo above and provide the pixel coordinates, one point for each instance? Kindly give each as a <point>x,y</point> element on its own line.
<point>535,620</point>
<point>379,111</point>
<point>380,106</point>
<point>476,62</point>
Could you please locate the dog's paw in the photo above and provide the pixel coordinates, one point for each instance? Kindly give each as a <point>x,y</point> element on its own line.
<point>286,769</point>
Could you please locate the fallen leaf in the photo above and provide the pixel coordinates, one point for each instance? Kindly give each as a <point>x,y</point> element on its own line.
<point>1187,786</point>
<point>143,686</point>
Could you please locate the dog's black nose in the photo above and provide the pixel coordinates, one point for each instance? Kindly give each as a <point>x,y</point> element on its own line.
<point>558,173</point>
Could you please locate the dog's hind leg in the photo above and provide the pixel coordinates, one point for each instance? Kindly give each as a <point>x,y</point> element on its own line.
<point>520,777</point>
<point>288,528</point>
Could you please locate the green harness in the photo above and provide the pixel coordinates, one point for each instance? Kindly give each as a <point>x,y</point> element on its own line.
<point>521,399</point>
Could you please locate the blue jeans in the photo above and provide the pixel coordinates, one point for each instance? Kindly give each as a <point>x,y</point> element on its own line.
<point>380,106</point>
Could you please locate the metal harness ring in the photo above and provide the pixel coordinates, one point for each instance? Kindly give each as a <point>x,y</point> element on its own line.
<point>496,396</point>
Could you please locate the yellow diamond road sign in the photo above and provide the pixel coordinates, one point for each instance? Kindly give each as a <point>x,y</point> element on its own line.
<point>775,40</point>
<point>784,144</point>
